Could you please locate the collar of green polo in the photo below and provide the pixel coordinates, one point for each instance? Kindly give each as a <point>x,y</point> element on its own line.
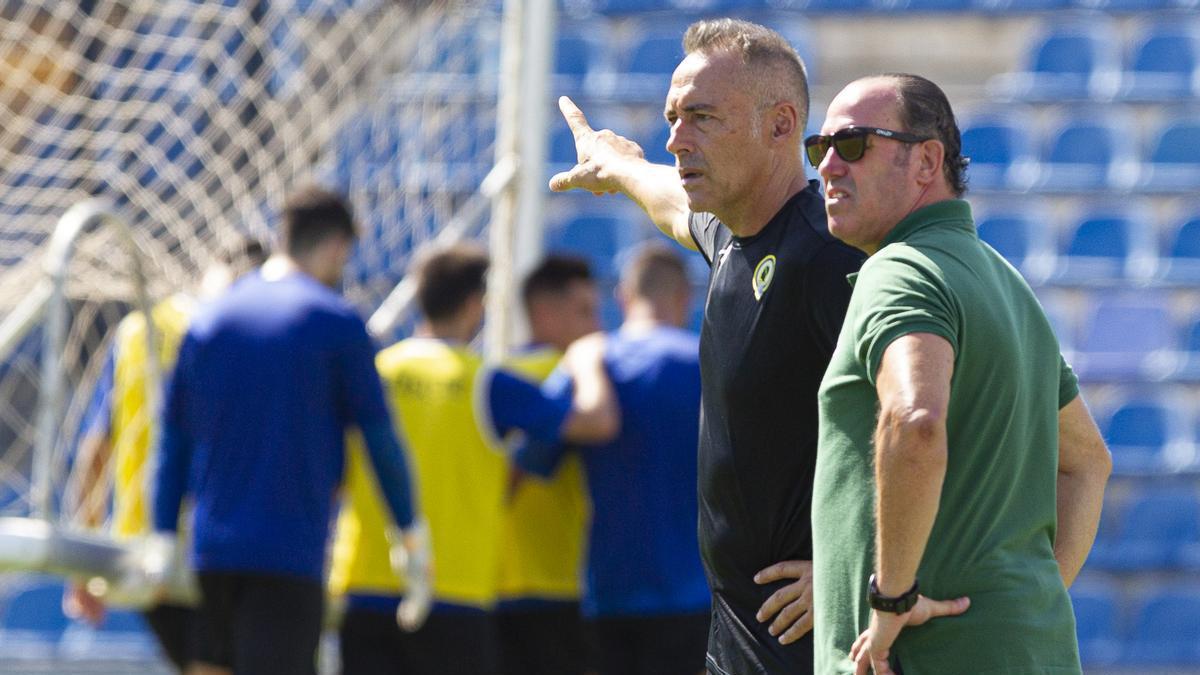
<point>955,213</point>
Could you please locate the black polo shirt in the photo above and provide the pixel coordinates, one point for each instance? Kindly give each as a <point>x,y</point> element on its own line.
<point>775,305</point>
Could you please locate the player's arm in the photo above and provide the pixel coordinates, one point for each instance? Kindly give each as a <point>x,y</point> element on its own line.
<point>175,445</point>
<point>1084,465</point>
<point>95,450</point>
<point>563,409</point>
<point>608,163</point>
<point>913,386</point>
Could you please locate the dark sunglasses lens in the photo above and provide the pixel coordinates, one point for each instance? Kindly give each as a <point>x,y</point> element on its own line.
<point>816,147</point>
<point>851,148</point>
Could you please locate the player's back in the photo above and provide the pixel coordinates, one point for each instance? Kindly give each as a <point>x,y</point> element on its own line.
<point>274,371</point>
<point>460,477</point>
<point>643,484</point>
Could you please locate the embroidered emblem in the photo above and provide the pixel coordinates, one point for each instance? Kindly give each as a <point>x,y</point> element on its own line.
<point>763,275</point>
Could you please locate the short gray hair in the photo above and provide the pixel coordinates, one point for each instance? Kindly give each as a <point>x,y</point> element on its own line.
<point>780,70</point>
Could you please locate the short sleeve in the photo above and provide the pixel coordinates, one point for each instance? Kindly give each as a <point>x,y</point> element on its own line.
<point>1068,383</point>
<point>895,297</point>
<point>705,230</point>
<point>828,291</point>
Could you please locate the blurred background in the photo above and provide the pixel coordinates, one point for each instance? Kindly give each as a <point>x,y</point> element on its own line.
<point>191,119</point>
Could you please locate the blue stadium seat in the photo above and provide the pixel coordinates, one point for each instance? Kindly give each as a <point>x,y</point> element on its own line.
<point>1154,530</point>
<point>1182,260</point>
<point>1014,6</point>
<point>1119,6</point>
<point>1136,433</point>
<point>594,236</point>
<point>1097,249</point>
<point>1173,164</point>
<point>1096,620</point>
<point>927,5</point>
<point>1166,629</point>
<point>822,5</point>
<point>1162,64</point>
<point>1012,235</point>
<point>646,72</point>
<point>1076,61</point>
<point>1088,153</point>
<point>1000,153</point>
<point>1127,339</point>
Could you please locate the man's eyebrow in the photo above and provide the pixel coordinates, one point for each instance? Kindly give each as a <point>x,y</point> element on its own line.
<point>691,108</point>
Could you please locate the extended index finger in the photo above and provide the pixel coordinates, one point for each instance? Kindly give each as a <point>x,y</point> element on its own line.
<point>576,120</point>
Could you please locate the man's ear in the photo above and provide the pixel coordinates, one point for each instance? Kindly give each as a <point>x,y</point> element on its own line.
<point>932,156</point>
<point>785,121</point>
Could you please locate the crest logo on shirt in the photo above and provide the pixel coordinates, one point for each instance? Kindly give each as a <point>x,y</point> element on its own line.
<point>763,274</point>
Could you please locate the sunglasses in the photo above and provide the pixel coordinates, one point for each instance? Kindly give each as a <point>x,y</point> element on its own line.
<point>851,143</point>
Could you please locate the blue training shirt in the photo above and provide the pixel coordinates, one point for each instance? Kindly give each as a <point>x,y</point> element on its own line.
<point>643,556</point>
<point>268,379</point>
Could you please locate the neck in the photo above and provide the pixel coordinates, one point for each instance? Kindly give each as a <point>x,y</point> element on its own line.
<point>644,314</point>
<point>454,329</point>
<point>749,218</point>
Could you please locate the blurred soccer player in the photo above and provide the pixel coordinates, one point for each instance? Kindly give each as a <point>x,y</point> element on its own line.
<point>434,380</point>
<point>646,596</point>
<point>118,437</point>
<point>543,528</point>
<point>777,295</point>
<point>460,482</point>
<point>269,378</point>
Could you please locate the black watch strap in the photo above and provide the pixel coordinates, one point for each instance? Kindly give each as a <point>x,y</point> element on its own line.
<point>899,604</point>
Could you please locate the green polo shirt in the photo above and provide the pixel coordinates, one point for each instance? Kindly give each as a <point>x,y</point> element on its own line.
<point>993,536</point>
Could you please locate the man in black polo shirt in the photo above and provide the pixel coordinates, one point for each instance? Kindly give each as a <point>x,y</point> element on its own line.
<point>777,296</point>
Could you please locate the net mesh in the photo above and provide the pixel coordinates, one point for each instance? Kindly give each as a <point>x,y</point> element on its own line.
<point>194,119</point>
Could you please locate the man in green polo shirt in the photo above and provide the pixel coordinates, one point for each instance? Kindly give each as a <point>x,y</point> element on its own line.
<point>956,456</point>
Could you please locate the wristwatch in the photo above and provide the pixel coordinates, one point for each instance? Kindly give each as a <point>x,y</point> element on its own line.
<point>899,604</point>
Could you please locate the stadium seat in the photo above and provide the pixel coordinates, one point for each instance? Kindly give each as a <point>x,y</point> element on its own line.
<point>1153,532</point>
<point>1075,61</point>
<point>1136,432</point>
<point>593,236</point>
<point>1020,241</point>
<point>1173,164</point>
<point>1127,339</point>
<point>1000,152</point>
<point>1096,620</point>
<point>1098,249</point>
<point>1162,64</point>
<point>646,72</point>
<point>1181,263</point>
<point>1166,629</point>
<point>1088,153</point>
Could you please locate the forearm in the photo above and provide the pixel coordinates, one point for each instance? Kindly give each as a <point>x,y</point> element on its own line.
<point>595,416</point>
<point>174,459</point>
<point>656,189</point>
<point>910,467</point>
<point>1080,497</point>
<point>1084,464</point>
<point>391,471</point>
<point>94,455</point>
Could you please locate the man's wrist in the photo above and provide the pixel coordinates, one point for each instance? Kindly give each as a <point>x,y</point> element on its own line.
<point>893,604</point>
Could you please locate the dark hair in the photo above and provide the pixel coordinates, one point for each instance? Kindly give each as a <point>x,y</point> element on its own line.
<point>312,215</point>
<point>778,69</point>
<point>448,277</point>
<point>246,254</point>
<point>925,111</point>
<point>553,275</point>
<point>656,270</point>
